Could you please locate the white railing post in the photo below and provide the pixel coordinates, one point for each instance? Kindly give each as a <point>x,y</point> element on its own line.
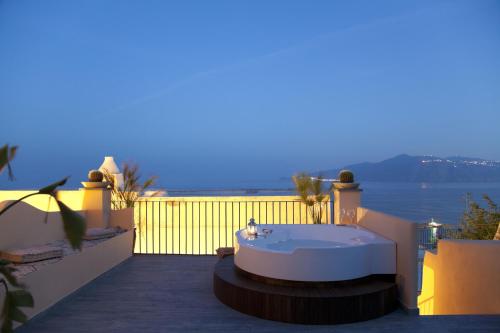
<point>346,203</point>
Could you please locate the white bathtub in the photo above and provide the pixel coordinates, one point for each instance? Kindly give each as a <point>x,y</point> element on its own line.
<point>315,253</point>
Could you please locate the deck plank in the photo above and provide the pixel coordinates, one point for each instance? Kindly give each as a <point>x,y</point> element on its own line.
<point>174,294</point>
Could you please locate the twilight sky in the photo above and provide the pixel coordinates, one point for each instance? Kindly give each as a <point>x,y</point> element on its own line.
<point>217,92</point>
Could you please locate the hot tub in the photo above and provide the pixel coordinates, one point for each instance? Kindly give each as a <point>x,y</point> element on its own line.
<point>315,252</point>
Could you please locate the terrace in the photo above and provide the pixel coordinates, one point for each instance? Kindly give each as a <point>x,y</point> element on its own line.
<point>172,283</point>
<point>174,294</point>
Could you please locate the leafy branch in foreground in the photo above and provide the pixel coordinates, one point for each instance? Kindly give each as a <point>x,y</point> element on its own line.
<point>14,299</point>
<point>126,195</point>
<point>74,228</point>
<point>7,154</point>
<point>481,223</point>
<point>313,194</point>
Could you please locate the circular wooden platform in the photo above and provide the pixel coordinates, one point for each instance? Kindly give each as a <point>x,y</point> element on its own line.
<point>304,303</point>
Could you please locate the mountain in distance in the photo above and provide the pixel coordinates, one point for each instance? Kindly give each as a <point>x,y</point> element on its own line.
<point>424,169</point>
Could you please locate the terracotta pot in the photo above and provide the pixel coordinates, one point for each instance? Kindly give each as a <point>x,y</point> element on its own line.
<point>345,186</point>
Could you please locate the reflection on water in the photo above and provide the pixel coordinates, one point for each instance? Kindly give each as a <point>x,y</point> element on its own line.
<point>419,202</point>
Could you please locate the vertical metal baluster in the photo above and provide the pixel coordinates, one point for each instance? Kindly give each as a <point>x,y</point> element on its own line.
<point>206,220</point>
<point>273,210</point>
<point>185,228</point>
<point>218,224</point>
<point>166,228</point>
<point>279,207</point>
<point>300,212</point>
<point>140,227</point>
<point>232,223</point>
<point>179,241</point>
<point>153,224</point>
<point>328,211</point>
<point>212,227</point>
<point>327,217</point>
<point>307,214</point>
<point>258,214</point>
<point>286,211</point>
<point>225,223</point>
<point>173,227</point>
<point>147,243</point>
<point>266,213</point>
<point>159,225</point>
<point>192,227</point>
<point>199,228</point>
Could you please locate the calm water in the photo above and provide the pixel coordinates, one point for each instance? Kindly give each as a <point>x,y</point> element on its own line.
<point>414,201</point>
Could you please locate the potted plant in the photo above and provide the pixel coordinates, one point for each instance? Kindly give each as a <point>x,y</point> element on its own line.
<point>313,194</point>
<point>124,197</point>
<point>345,181</point>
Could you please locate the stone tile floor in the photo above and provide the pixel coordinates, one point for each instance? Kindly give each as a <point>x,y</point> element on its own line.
<point>174,294</point>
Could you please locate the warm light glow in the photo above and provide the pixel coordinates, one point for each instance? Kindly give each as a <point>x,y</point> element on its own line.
<point>72,199</point>
<point>200,225</point>
<point>426,298</point>
<point>252,228</point>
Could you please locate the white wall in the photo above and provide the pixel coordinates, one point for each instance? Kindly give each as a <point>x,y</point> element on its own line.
<point>404,233</point>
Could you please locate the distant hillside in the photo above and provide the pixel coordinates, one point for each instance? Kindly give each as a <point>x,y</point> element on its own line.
<point>405,168</point>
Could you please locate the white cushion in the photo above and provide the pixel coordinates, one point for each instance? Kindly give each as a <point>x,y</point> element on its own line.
<point>31,254</point>
<point>99,233</point>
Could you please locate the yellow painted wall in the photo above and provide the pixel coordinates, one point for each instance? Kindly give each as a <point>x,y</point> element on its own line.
<point>463,277</point>
<point>72,198</point>
<point>200,225</point>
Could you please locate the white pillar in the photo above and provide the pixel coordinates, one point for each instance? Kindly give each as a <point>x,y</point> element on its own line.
<point>347,200</point>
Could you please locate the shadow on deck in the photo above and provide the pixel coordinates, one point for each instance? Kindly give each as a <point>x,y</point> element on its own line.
<point>174,294</point>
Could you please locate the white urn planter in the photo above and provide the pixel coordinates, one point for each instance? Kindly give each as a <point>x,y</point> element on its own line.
<point>109,166</point>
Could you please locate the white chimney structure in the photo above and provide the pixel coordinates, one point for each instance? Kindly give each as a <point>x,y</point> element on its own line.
<point>110,166</point>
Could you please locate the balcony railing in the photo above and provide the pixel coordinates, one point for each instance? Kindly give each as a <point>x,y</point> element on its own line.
<point>428,236</point>
<point>198,226</point>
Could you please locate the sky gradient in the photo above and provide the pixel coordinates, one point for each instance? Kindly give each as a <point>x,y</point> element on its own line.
<point>212,92</point>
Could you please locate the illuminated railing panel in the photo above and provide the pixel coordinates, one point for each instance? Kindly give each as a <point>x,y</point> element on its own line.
<point>198,226</point>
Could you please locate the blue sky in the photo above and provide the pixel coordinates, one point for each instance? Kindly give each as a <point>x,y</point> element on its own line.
<point>204,92</point>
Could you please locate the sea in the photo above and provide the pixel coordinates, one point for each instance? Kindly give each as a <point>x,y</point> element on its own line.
<point>419,202</point>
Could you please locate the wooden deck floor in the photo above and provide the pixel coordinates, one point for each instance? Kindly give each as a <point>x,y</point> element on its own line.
<point>174,294</point>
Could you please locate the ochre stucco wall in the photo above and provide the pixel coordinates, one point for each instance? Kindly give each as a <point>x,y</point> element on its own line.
<point>463,277</point>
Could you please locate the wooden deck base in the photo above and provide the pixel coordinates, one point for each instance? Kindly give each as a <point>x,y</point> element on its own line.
<point>323,303</point>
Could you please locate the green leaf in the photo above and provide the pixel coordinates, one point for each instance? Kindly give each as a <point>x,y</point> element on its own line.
<point>7,154</point>
<point>17,315</point>
<point>7,323</point>
<point>22,297</point>
<point>11,312</point>
<point>7,271</point>
<point>74,225</point>
<point>50,189</point>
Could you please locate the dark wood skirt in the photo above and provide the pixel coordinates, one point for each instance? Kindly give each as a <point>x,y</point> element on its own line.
<point>304,303</point>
